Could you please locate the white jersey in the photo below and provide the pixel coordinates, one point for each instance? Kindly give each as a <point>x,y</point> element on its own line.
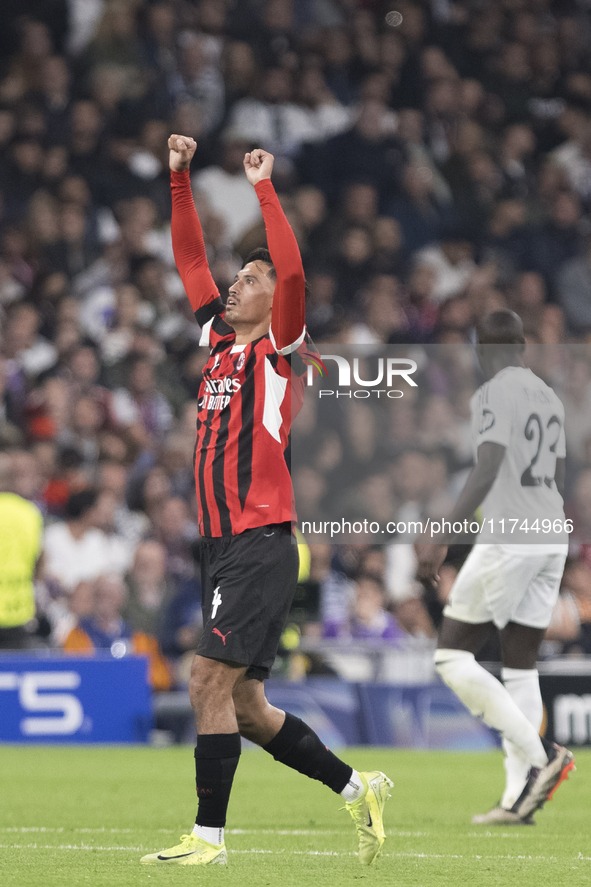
<point>519,411</point>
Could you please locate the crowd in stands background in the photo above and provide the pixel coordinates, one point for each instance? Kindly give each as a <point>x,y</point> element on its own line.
<point>432,171</point>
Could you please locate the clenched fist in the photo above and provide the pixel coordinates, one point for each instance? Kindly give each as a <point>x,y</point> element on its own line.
<point>258,165</point>
<point>181,150</point>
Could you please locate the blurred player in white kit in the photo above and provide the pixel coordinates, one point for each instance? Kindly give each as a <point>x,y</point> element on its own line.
<point>508,582</point>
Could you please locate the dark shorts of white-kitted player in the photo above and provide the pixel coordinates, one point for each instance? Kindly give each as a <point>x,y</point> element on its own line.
<point>248,583</point>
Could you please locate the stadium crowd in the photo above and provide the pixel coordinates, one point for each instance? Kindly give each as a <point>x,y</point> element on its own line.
<point>434,161</point>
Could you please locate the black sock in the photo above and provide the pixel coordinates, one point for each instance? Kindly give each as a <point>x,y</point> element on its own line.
<point>216,759</point>
<point>298,747</point>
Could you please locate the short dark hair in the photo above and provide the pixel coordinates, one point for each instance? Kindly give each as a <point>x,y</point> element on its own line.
<point>260,254</point>
<point>79,503</point>
<point>501,328</point>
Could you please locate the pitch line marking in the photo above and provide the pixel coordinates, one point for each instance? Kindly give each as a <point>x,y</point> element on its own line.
<point>402,855</point>
<point>59,830</point>
<point>231,831</point>
<point>67,847</point>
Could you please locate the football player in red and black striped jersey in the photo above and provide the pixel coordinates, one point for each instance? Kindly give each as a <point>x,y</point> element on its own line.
<point>254,379</point>
<point>253,383</point>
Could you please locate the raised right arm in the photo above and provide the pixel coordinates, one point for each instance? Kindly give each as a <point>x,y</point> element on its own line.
<point>187,238</point>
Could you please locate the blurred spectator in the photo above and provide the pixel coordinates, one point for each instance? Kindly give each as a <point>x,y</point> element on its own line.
<point>517,148</point>
<point>452,262</point>
<point>149,493</point>
<point>529,298</point>
<point>181,625</point>
<point>576,396</point>
<point>140,406</point>
<point>120,549</point>
<point>571,618</point>
<point>558,240</point>
<point>384,315</point>
<point>55,97</point>
<point>128,316</point>
<point>64,475</point>
<point>280,120</point>
<point>227,190</point>
<point>105,629</point>
<point>573,285</point>
<point>10,434</point>
<point>76,549</point>
<point>149,592</point>
<point>130,525</point>
<point>367,618</point>
<point>176,456</point>
<point>73,251</point>
<point>368,151</point>
<point>198,80</point>
<point>573,156</point>
<point>336,589</point>
<point>178,534</point>
<point>32,353</point>
<point>422,308</point>
<point>82,372</point>
<point>267,119</point>
<point>82,435</point>
<point>405,594</point>
<point>418,211</point>
<point>64,613</point>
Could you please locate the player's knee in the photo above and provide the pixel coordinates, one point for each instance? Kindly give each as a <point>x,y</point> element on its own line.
<point>207,683</point>
<point>447,662</point>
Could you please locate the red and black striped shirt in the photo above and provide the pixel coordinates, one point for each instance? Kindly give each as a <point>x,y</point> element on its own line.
<point>249,393</point>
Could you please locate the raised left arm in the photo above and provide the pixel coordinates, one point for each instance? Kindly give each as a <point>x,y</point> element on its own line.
<point>289,302</point>
<point>289,305</point>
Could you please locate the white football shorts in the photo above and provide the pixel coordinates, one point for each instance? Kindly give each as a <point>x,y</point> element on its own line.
<point>508,583</point>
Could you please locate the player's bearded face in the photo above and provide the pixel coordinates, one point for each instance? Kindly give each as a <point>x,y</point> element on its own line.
<point>251,295</point>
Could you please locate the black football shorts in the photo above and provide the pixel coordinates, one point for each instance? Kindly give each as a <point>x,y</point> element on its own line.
<point>248,583</point>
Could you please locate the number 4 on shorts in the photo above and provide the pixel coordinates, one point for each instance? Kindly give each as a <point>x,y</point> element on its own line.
<point>217,600</point>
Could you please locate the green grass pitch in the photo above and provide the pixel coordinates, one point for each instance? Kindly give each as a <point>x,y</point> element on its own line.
<point>84,816</point>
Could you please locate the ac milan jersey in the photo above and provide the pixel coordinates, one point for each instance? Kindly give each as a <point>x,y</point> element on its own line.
<point>246,402</point>
<point>249,393</point>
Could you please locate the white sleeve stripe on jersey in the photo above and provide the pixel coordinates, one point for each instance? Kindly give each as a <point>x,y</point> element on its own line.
<point>275,386</point>
<point>288,348</point>
<point>205,331</point>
